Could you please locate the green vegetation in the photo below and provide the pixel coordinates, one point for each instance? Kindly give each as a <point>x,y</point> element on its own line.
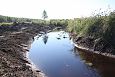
<point>10,23</point>
<point>9,20</point>
<point>98,26</point>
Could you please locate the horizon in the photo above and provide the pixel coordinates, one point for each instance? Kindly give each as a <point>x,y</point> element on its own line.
<point>58,9</point>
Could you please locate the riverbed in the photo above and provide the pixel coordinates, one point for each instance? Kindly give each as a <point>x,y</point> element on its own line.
<point>55,54</point>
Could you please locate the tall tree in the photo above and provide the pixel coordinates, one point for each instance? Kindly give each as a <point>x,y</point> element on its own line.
<point>44,15</point>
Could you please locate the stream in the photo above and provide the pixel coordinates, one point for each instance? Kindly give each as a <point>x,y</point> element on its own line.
<point>55,54</point>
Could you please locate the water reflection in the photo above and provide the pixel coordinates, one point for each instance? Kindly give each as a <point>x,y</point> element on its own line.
<point>56,57</point>
<point>58,38</point>
<point>62,35</point>
<point>45,38</point>
<point>105,66</point>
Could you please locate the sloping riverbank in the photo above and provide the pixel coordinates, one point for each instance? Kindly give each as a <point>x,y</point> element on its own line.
<point>98,52</point>
<point>95,32</point>
<point>15,41</point>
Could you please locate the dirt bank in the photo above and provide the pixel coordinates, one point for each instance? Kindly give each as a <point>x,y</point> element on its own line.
<point>15,41</point>
<point>99,45</point>
<point>96,50</point>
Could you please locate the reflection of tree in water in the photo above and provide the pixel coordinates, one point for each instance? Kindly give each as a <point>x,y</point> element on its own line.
<point>45,38</point>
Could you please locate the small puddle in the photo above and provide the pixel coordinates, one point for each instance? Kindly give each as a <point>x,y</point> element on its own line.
<point>55,55</point>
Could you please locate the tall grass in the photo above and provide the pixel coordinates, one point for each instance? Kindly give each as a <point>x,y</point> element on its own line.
<point>98,26</point>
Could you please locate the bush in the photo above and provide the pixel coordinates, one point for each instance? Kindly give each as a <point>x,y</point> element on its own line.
<point>98,26</point>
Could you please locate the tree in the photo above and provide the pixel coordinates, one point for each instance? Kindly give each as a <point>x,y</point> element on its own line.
<point>44,15</point>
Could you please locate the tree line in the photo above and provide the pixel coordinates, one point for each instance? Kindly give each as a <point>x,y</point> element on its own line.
<point>8,19</point>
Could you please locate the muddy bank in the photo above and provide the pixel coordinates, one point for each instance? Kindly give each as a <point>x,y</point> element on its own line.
<point>15,41</point>
<point>104,62</point>
<point>97,50</point>
<point>99,45</point>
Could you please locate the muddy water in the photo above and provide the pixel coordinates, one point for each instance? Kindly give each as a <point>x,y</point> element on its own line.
<point>56,56</point>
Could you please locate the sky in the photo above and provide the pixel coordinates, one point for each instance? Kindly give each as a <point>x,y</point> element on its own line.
<point>56,9</point>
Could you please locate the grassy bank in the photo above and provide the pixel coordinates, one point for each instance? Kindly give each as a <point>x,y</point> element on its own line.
<point>101,28</point>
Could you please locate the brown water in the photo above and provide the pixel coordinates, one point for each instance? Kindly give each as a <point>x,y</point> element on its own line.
<point>104,65</point>
<point>55,55</point>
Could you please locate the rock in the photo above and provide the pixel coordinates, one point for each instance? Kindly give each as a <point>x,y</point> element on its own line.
<point>89,64</point>
<point>38,71</point>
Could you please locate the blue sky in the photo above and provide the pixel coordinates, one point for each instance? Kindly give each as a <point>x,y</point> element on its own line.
<point>55,8</point>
